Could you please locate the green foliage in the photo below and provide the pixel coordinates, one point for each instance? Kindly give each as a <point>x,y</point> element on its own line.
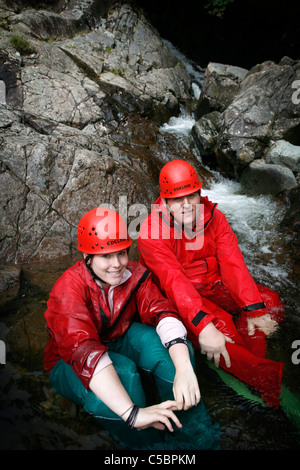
<point>217,7</point>
<point>21,44</point>
<point>4,25</point>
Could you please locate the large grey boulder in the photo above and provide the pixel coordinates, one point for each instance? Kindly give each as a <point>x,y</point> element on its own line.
<point>221,84</point>
<point>262,111</point>
<point>205,133</point>
<point>285,154</point>
<point>263,178</point>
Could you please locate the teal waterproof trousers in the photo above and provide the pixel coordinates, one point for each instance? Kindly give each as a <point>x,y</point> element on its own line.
<point>140,349</point>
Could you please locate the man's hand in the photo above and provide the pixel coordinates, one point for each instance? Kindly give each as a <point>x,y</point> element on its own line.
<point>263,323</point>
<point>213,343</point>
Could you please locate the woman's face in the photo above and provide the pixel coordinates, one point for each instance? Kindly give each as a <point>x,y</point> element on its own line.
<point>110,267</point>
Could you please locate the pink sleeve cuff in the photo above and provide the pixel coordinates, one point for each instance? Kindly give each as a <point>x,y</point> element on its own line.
<point>170,328</point>
<point>104,361</point>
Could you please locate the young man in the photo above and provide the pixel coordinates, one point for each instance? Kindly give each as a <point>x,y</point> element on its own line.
<point>193,254</point>
<point>97,343</point>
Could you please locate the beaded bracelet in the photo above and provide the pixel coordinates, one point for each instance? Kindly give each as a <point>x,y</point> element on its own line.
<point>126,411</point>
<point>132,417</point>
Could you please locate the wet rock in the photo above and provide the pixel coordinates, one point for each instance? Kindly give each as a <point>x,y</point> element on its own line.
<point>55,180</point>
<point>221,84</point>
<point>64,123</point>
<point>205,133</point>
<point>28,337</point>
<point>262,111</point>
<point>122,55</point>
<point>9,281</point>
<point>291,220</point>
<point>61,19</point>
<point>285,154</point>
<point>263,178</point>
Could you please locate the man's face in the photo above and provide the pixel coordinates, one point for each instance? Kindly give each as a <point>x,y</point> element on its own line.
<point>185,209</point>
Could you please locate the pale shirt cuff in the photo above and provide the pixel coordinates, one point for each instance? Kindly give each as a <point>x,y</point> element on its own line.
<point>170,328</point>
<point>104,361</point>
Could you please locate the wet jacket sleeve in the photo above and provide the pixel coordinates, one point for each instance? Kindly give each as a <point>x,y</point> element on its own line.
<point>158,256</point>
<point>234,272</point>
<point>70,323</point>
<point>152,305</point>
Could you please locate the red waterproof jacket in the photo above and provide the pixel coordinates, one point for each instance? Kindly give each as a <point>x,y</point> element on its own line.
<point>193,269</point>
<point>184,265</point>
<point>80,323</point>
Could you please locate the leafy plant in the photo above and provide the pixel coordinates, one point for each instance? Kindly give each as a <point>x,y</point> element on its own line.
<point>217,7</point>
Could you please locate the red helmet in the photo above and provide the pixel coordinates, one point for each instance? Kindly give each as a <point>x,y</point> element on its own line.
<point>178,178</point>
<point>102,231</point>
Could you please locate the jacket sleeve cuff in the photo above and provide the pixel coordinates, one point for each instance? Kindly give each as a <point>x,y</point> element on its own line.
<point>85,360</point>
<point>253,310</point>
<point>170,328</point>
<point>200,320</point>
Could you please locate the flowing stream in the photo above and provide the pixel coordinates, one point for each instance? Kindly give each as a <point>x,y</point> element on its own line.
<point>32,417</point>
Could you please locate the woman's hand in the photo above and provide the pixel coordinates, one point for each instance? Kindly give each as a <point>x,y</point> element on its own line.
<point>158,416</point>
<point>109,389</point>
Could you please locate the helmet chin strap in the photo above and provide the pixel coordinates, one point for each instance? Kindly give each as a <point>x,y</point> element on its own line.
<point>88,266</point>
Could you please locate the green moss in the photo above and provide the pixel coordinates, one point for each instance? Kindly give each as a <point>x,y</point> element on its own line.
<point>117,72</point>
<point>21,44</point>
<point>4,25</point>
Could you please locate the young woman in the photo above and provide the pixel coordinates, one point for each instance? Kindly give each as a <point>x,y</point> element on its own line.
<point>98,344</point>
